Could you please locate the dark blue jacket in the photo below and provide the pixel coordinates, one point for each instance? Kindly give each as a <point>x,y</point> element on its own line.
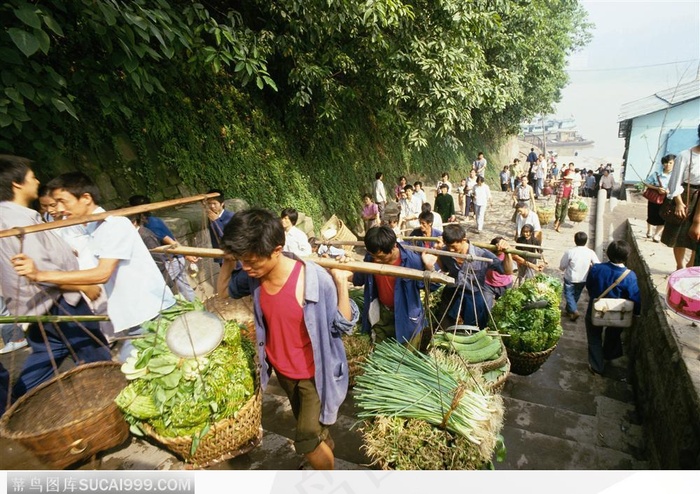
<point>602,275</point>
<point>434,232</point>
<point>409,317</point>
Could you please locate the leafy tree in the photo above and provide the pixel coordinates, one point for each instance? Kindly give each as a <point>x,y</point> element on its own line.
<point>77,57</point>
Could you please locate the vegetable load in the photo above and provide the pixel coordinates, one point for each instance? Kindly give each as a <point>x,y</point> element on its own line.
<point>180,397</point>
<point>410,400</point>
<point>578,205</point>
<point>530,314</point>
<point>475,348</point>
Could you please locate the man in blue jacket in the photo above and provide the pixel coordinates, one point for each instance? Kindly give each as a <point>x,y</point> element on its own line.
<point>300,312</point>
<point>392,306</point>
<point>218,218</point>
<point>600,277</point>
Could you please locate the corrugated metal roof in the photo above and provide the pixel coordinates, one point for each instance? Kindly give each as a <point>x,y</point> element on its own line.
<point>660,101</point>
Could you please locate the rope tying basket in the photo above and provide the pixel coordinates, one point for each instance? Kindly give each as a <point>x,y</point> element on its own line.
<point>71,417</point>
<point>226,439</point>
<point>498,385</point>
<point>335,230</point>
<point>229,309</point>
<point>526,363</point>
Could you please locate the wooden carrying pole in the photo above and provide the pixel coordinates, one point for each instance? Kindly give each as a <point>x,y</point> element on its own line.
<point>439,252</point>
<point>355,266</point>
<point>11,232</point>
<point>492,248</point>
<point>478,244</point>
<point>49,318</point>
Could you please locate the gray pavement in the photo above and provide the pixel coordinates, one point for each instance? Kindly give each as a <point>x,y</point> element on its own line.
<point>560,417</point>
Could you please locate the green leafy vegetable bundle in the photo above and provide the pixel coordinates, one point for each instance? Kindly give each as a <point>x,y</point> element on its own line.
<point>530,329</point>
<point>181,397</point>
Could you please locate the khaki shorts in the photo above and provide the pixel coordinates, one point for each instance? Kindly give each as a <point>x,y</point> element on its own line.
<point>306,407</point>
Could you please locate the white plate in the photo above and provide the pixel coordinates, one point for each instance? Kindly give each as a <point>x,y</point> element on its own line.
<point>194,334</point>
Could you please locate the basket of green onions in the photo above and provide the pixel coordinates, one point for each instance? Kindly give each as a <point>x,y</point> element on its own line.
<point>425,412</point>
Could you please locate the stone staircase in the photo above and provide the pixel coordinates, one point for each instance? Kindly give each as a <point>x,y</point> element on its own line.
<point>563,417</point>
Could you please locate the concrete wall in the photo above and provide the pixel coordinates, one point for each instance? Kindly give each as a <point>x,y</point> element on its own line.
<point>665,371</point>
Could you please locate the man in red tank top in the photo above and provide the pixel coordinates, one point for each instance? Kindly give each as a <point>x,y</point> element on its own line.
<point>293,302</point>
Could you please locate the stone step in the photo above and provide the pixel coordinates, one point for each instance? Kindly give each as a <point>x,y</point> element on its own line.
<point>528,450</point>
<point>610,427</point>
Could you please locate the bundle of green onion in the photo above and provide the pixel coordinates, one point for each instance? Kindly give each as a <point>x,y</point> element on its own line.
<point>399,383</point>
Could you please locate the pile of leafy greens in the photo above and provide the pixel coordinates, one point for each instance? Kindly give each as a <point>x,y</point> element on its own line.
<point>181,397</point>
<point>530,329</point>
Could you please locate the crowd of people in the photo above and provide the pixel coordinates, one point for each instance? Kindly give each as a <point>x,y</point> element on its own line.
<point>301,310</point>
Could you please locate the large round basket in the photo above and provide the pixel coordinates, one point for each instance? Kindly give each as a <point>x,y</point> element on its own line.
<point>70,418</point>
<point>576,215</point>
<point>335,230</point>
<point>545,216</point>
<point>226,439</point>
<point>525,363</point>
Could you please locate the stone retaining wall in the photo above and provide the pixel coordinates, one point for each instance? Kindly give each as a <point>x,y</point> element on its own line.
<point>665,369</point>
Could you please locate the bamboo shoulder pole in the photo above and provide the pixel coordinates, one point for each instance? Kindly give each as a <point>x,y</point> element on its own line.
<point>439,252</point>
<point>11,232</point>
<point>521,253</point>
<point>49,318</point>
<point>354,266</point>
<point>478,244</point>
<point>335,243</point>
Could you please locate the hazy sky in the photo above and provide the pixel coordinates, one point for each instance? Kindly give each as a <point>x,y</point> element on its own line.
<point>638,48</point>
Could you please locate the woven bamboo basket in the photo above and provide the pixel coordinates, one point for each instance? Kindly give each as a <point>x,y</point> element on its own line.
<point>576,215</point>
<point>545,216</point>
<point>497,385</point>
<point>70,418</point>
<point>226,439</point>
<point>526,363</point>
<point>335,230</point>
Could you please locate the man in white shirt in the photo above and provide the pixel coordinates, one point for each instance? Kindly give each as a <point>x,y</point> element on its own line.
<point>51,343</point>
<point>136,291</point>
<point>296,240</point>
<point>575,263</point>
<point>379,193</point>
<point>411,208</point>
<point>525,216</point>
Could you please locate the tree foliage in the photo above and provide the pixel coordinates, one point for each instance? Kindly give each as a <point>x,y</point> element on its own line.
<point>77,57</point>
<point>283,102</point>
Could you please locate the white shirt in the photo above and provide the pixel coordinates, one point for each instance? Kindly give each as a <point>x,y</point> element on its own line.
<point>379,191</point>
<point>420,195</point>
<point>530,219</point>
<point>296,242</point>
<point>437,220</point>
<point>136,291</point>
<point>576,262</point>
<point>679,174</point>
<point>482,194</point>
<point>411,209</point>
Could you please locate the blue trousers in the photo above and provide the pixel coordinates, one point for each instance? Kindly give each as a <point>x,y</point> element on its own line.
<point>83,341</point>
<point>572,292</point>
<point>602,346</point>
<point>472,308</point>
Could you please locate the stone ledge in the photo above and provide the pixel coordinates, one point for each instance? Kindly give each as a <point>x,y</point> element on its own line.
<point>663,349</point>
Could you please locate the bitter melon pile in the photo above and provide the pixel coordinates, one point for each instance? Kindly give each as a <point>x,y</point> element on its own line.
<point>475,348</point>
